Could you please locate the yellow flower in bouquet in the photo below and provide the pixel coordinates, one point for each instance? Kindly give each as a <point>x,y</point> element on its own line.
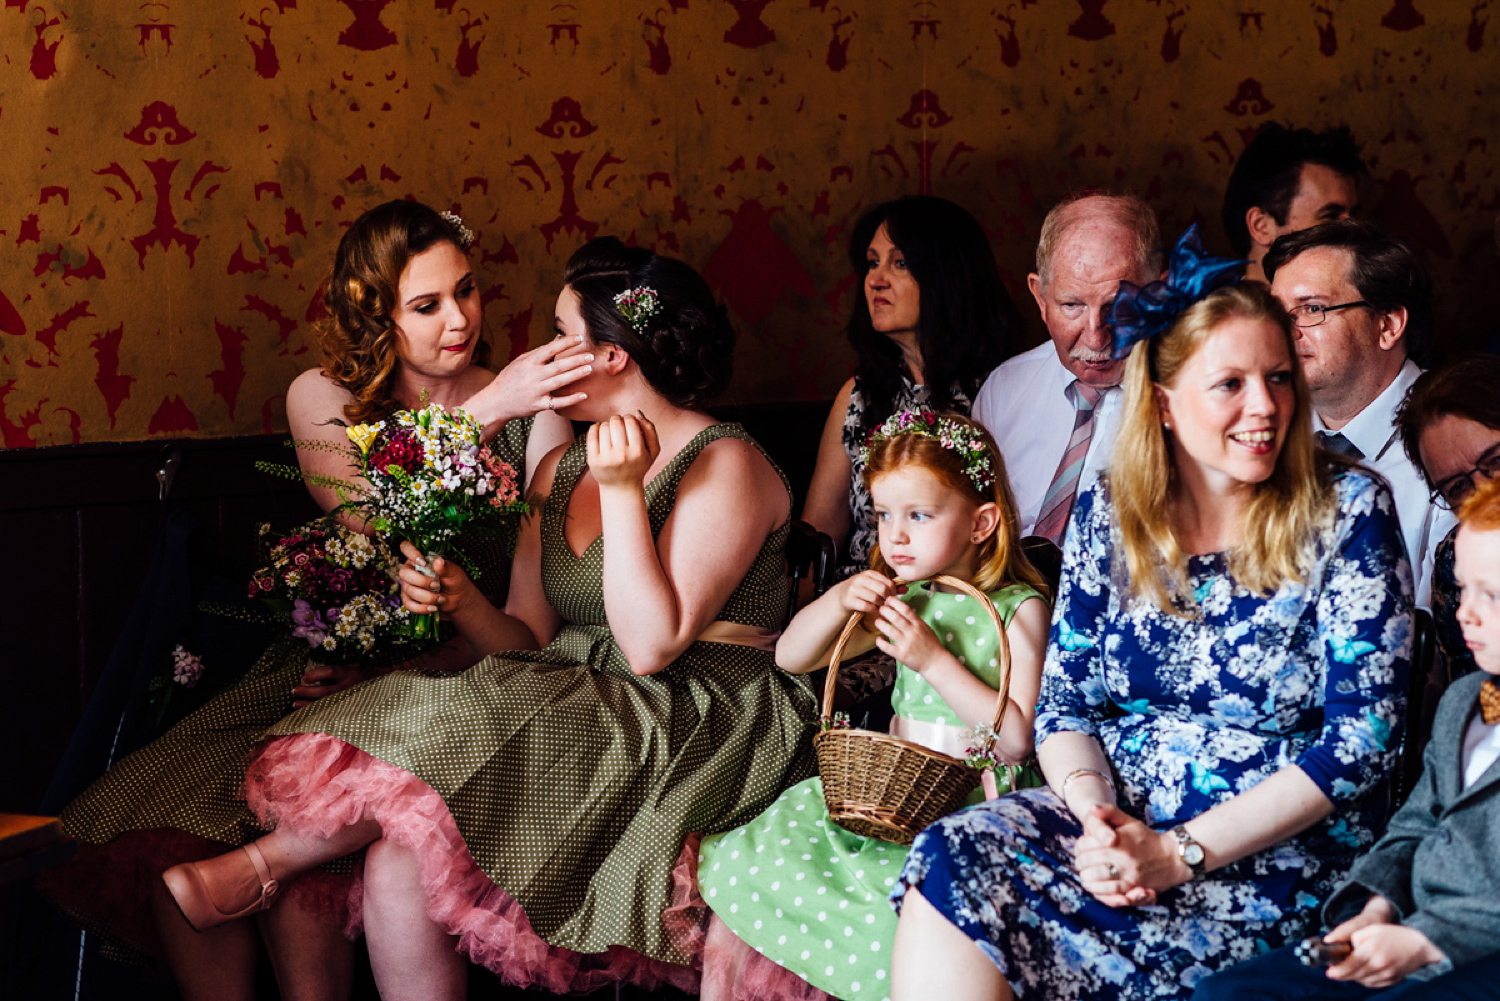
<point>363,435</point>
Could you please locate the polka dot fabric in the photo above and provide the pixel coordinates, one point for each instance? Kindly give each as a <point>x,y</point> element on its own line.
<point>572,781</point>
<point>191,778</point>
<point>811,896</point>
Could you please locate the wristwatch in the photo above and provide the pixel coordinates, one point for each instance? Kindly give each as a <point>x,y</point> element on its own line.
<point>1190,851</point>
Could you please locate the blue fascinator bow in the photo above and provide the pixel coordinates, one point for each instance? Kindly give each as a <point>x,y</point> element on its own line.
<point>1142,311</point>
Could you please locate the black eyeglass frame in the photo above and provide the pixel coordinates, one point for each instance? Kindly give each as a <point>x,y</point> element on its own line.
<point>1488,466</point>
<point>1300,313</point>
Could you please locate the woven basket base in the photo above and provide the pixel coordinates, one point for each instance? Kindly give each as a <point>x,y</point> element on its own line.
<point>879,786</point>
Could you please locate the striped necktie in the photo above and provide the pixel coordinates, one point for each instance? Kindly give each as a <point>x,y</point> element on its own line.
<point>1052,522</point>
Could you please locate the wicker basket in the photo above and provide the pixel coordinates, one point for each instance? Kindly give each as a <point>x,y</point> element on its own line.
<point>881,786</point>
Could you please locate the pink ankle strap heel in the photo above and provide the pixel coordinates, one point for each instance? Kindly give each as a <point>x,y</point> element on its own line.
<point>192,894</point>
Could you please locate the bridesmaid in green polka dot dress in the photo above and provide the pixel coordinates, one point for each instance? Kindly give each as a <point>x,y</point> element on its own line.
<point>800,904</point>
<point>526,813</point>
<point>403,325</point>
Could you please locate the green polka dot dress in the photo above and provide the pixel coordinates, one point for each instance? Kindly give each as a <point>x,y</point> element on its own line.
<point>572,781</point>
<point>180,798</point>
<point>811,896</point>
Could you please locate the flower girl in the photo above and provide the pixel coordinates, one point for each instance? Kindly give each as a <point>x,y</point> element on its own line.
<point>793,894</point>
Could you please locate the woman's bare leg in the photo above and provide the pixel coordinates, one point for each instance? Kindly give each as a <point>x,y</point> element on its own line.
<point>933,959</point>
<point>312,958</point>
<point>412,956</point>
<point>216,965</point>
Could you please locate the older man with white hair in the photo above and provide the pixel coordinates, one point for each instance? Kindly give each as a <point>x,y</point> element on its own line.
<point>1054,409</point>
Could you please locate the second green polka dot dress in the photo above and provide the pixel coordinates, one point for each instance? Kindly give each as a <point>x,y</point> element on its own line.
<point>811,896</point>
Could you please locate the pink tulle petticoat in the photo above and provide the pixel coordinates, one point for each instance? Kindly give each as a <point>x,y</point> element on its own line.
<point>731,968</point>
<point>316,784</point>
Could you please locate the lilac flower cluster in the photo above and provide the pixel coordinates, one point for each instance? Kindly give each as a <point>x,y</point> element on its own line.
<point>187,669</point>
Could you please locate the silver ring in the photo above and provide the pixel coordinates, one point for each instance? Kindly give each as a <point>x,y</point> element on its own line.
<point>1113,870</point>
<point>551,403</point>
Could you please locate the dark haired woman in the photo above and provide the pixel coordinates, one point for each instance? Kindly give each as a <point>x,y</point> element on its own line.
<point>931,319</point>
<point>403,321</point>
<point>1450,426</point>
<point>528,811</point>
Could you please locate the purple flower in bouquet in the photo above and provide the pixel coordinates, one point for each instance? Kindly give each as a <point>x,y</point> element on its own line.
<point>310,624</point>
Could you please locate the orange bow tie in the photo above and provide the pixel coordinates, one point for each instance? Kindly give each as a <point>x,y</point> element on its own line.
<point>1489,702</point>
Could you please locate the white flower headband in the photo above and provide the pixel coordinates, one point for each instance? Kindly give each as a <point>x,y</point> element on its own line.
<point>465,235</point>
<point>637,305</point>
<point>956,437</point>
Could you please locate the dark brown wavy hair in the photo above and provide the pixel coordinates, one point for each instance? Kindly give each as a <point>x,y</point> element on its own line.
<point>358,336</point>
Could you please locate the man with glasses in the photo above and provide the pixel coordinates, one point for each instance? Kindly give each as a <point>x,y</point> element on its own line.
<point>1362,304</point>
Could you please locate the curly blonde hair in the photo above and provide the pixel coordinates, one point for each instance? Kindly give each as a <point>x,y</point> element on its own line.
<point>358,336</point>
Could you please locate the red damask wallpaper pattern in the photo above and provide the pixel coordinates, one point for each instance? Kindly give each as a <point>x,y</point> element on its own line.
<point>177,173</point>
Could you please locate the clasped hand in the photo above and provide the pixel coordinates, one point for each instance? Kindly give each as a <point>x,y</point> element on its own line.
<point>1124,863</point>
<point>1384,953</point>
<point>621,449</point>
<point>899,631</point>
<point>321,680</point>
<point>439,585</point>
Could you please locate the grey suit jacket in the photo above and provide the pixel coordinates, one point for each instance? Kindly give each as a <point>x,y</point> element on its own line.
<point>1439,860</point>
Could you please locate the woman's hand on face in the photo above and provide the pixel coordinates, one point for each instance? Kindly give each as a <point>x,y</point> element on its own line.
<point>320,680</point>
<point>906,637</point>
<point>535,381</point>
<point>1124,863</point>
<point>621,450</point>
<point>439,586</point>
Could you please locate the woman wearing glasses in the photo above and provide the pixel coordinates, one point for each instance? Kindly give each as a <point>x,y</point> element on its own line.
<point>1450,425</point>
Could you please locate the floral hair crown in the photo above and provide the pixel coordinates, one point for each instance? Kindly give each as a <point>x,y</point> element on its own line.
<point>465,234</point>
<point>964,439</point>
<point>1143,311</point>
<point>637,305</point>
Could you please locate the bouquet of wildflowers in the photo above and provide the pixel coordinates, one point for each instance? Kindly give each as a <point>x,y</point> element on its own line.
<point>427,476</point>
<point>337,590</point>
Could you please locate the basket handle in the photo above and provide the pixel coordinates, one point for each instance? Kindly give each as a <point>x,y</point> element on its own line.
<point>1003,693</point>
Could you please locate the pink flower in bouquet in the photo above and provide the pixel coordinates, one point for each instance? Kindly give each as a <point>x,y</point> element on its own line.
<point>186,667</point>
<point>504,476</point>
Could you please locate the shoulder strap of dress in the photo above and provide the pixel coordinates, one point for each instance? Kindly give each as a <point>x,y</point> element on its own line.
<point>661,493</point>
<point>570,468</point>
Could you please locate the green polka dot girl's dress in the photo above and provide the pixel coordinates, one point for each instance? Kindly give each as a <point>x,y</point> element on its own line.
<point>810,896</point>
<point>547,794</point>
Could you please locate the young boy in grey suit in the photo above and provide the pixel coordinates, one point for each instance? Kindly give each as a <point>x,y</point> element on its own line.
<point>1421,910</point>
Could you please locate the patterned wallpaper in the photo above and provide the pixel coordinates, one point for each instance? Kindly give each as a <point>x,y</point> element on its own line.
<point>178,172</point>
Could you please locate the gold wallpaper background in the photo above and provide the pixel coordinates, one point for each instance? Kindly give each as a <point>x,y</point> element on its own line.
<point>177,173</point>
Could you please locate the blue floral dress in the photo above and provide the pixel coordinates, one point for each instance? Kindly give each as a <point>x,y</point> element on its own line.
<point>1190,711</point>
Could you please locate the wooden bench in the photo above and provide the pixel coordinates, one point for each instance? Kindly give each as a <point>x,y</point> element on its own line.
<point>30,844</point>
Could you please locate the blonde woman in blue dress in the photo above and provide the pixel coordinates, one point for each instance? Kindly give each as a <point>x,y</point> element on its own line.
<point>799,904</point>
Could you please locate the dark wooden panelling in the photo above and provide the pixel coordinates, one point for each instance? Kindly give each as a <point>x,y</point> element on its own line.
<point>78,526</point>
<point>40,666</point>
